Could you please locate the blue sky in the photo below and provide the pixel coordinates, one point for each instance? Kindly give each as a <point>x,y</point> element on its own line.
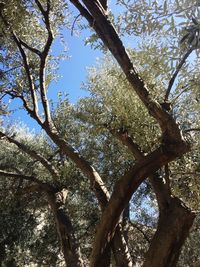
<point>72,72</point>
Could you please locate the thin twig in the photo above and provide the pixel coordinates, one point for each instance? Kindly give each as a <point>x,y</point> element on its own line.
<point>192,129</point>
<point>72,30</point>
<point>14,68</point>
<point>134,225</point>
<point>185,88</point>
<point>167,177</point>
<point>32,49</point>
<point>83,11</point>
<point>172,80</point>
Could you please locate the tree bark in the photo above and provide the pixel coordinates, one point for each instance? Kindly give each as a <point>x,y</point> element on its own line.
<point>120,250</point>
<point>65,231</point>
<point>173,228</point>
<point>173,145</point>
<point>102,194</point>
<point>125,221</point>
<point>106,257</point>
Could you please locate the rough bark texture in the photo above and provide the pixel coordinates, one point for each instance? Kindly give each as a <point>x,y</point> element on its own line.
<point>120,251</point>
<point>122,193</point>
<point>173,228</point>
<point>101,193</point>
<point>65,230</point>
<point>106,257</point>
<point>172,145</point>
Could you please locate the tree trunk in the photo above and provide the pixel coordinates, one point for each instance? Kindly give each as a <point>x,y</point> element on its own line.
<point>65,231</point>
<point>173,228</point>
<point>120,249</point>
<point>106,258</point>
<point>125,221</point>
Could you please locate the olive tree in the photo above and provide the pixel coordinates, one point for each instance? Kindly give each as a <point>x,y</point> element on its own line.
<point>139,123</point>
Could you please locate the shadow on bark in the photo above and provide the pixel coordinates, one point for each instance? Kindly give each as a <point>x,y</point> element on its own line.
<point>173,228</point>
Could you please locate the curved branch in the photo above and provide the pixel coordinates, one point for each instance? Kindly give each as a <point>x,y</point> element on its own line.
<point>106,31</point>
<point>43,60</point>
<point>26,67</point>
<point>32,49</point>
<point>161,189</point>
<point>172,80</point>
<point>134,225</point>
<point>83,11</point>
<point>122,194</point>
<point>72,29</point>
<point>29,75</point>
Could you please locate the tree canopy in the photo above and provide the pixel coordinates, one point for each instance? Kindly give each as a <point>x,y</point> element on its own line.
<point>112,180</point>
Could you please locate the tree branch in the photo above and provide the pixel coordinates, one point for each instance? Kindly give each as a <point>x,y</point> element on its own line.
<point>29,76</point>
<point>32,49</point>
<point>122,194</point>
<point>192,129</point>
<point>172,141</point>
<point>134,225</point>
<point>41,7</point>
<point>104,28</point>
<point>33,154</point>
<point>97,184</point>
<point>43,60</point>
<point>161,189</point>
<point>172,80</point>
<point>26,67</point>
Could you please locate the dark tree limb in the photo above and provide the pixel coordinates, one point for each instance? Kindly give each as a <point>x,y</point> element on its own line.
<point>104,28</point>
<point>172,141</point>
<point>43,61</point>
<point>173,228</point>
<point>32,49</point>
<point>178,68</point>
<point>161,190</point>
<point>121,195</point>
<point>65,229</point>
<point>170,237</point>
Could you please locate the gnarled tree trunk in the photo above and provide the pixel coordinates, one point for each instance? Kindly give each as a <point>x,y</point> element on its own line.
<point>173,228</point>
<point>65,230</point>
